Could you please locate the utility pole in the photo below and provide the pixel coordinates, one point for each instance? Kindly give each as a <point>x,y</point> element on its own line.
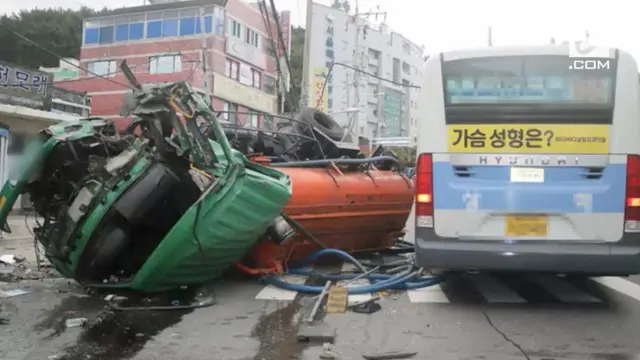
<point>357,56</point>
<point>203,50</point>
<point>306,58</point>
<point>357,61</point>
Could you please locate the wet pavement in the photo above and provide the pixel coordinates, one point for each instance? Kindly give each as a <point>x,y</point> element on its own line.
<point>239,327</point>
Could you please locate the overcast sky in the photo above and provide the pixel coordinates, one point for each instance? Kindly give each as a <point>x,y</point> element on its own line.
<point>463,23</point>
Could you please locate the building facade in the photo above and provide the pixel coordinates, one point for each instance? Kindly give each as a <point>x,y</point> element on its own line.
<point>167,42</point>
<point>386,105</point>
<point>66,70</point>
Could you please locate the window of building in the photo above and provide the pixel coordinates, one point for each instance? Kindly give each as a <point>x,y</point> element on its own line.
<point>136,31</point>
<point>269,85</point>
<point>235,29</point>
<point>229,113</point>
<point>188,26</point>
<point>232,69</point>
<point>103,68</point>
<point>122,32</point>
<point>267,122</point>
<point>106,35</point>
<point>329,53</point>
<point>256,78</point>
<point>155,24</point>
<point>252,38</point>
<point>170,27</point>
<point>253,118</point>
<point>165,64</point>
<point>154,29</point>
<point>218,18</point>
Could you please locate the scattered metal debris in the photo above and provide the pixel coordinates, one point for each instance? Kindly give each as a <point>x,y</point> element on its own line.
<point>320,332</point>
<point>327,352</point>
<point>12,293</point>
<point>113,297</point>
<point>8,259</point>
<point>367,307</point>
<point>390,355</point>
<point>77,322</point>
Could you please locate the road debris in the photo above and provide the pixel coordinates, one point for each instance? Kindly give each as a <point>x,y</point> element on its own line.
<point>113,297</point>
<point>320,331</point>
<point>391,355</point>
<point>367,307</point>
<point>12,293</point>
<point>337,300</point>
<point>76,322</point>
<point>327,352</point>
<point>8,259</point>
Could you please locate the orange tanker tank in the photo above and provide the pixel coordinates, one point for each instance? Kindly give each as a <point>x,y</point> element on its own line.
<point>351,210</point>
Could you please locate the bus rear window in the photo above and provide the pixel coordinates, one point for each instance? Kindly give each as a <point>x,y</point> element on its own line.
<point>525,80</point>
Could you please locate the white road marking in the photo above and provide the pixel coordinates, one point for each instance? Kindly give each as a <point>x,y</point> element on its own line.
<point>431,294</point>
<point>620,285</point>
<point>359,298</point>
<point>271,292</point>
<point>563,290</point>
<point>494,291</point>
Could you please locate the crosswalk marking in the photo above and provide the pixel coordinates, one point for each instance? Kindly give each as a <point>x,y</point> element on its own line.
<point>562,290</point>
<point>495,292</point>
<point>620,285</point>
<point>492,289</point>
<point>357,298</point>
<point>431,294</point>
<point>271,292</point>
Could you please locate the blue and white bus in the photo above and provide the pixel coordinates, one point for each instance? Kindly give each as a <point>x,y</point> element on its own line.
<point>528,163</point>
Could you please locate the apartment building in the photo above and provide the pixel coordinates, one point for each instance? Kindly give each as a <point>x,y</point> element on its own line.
<point>163,42</point>
<point>386,104</point>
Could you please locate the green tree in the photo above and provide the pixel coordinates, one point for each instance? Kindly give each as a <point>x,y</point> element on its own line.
<point>59,30</point>
<point>406,155</point>
<point>297,52</point>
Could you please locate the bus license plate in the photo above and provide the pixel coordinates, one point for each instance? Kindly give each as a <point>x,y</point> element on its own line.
<point>535,175</point>
<point>526,225</point>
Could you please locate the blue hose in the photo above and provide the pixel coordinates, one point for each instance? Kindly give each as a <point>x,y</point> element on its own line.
<point>406,280</point>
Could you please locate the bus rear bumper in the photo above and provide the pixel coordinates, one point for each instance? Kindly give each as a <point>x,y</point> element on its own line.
<point>601,259</point>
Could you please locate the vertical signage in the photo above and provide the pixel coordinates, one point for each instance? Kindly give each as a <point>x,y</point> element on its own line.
<point>392,112</point>
<point>318,89</point>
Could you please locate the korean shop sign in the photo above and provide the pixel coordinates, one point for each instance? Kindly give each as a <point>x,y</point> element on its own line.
<point>530,139</point>
<point>25,87</point>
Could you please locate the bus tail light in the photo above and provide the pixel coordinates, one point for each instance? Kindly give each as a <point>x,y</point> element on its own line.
<point>424,191</point>
<point>632,196</point>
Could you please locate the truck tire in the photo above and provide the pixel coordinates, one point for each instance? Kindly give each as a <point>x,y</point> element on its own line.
<point>322,121</point>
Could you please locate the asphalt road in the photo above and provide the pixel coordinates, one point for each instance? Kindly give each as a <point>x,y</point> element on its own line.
<point>468,317</point>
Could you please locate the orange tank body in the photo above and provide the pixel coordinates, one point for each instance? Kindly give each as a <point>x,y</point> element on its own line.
<point>348,210</point>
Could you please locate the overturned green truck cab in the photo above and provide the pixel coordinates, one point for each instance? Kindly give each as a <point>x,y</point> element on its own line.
<point>151,212</point>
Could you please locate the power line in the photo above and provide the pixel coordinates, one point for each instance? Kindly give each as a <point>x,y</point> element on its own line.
<point>56,55</point>
<point>361,72</point>
<point>280,37</point>
<point>264,12</point>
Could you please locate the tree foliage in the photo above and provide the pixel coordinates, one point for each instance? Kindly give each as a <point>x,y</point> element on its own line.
<point>297,52</point>
<point>406,155</point>
<point>56,29</point>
